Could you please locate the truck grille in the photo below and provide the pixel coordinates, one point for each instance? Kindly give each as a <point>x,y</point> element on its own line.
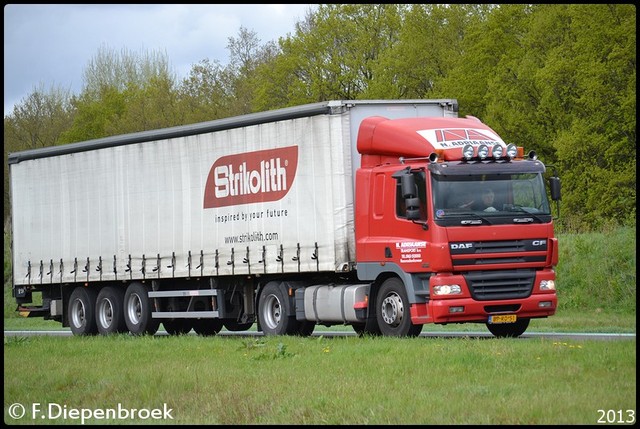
<point>512,284</point>
<point>477,253</point>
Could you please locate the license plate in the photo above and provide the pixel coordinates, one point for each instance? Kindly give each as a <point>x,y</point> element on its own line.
<point>503,318</point>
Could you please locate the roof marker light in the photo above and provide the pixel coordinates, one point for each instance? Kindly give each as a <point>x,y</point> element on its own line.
<point>467,152</point>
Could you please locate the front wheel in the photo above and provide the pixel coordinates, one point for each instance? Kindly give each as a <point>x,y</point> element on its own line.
<point>509,330</point>
<point>392,310</point>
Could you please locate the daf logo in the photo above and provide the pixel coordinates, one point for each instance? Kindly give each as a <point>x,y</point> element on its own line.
<point>539,242</point>
<point>461,246</point>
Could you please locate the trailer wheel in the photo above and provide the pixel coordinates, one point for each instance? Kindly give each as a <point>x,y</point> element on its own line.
<point>392,310</point>
<point>509,330</point>
<point>273,310</point>
<point>207,327</point>
<point>137,314</point>
<point>81,311</point>
<point>110,311</point>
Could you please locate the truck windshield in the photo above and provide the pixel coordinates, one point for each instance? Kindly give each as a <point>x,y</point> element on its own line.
<point>487,196</point>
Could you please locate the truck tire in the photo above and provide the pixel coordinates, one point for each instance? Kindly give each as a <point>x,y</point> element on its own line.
<point>81,311</point>
<point>178,326</point>
<point>137,310</point>
<point>392,310</point>
<point>509,330</point>
<point>110,311</point>
<point>207,327</point>
<point>273,311</point>
<point>235,326</point>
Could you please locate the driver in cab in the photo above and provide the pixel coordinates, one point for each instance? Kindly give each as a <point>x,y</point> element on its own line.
<point>485,203</point>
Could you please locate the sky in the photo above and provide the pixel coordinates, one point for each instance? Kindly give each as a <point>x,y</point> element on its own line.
<point>49,45</point>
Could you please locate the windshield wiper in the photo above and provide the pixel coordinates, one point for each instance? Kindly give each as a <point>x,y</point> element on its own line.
<point>477,219</point>
<point>527,219</point>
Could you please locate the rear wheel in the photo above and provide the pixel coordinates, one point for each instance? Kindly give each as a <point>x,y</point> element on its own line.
<point>207,327</point>
<point>81,311</point>
<point>273,311</point>
<point>509,330</point>
<point>137,310</point>
<point>178,326</point>
<point>110,311</point>
<point>392,310</point>
<point>235,326</point>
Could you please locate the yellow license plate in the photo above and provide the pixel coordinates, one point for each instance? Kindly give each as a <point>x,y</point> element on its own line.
<point>503,318</point>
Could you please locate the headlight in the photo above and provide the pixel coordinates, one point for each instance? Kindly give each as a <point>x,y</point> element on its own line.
<point>447,290</point>
<point>512,150</point>
<point>497,151</point>
<point>547,285</point>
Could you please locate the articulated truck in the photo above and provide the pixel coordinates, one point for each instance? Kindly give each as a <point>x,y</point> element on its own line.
<point>367,214</point>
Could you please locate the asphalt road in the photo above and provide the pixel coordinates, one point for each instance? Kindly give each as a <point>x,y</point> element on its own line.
<point>526,335</point>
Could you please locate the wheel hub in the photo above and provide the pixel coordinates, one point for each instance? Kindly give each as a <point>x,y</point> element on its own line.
<point>392,310</point>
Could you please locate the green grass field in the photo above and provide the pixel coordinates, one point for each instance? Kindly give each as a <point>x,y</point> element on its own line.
<point>321,380</point>
<point>350,380</point>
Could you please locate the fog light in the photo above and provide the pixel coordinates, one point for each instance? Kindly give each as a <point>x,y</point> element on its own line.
<point>512,150</point>
<point>447,290</point>
<point>483,151</point>
<point>544,304</point>
<point>456,309</point>
<point>547,285</point>
<point>467,152</point>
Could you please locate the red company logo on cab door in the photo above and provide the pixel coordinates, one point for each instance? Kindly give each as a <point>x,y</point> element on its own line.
<point>251,177</point>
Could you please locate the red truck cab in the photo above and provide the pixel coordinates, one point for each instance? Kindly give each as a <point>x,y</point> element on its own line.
<point>429,243</point>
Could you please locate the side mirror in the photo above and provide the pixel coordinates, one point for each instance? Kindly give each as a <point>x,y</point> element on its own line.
<point>413,208</point>
<point>408,185</point>
<point>409,190</point>
<point>554,186</point>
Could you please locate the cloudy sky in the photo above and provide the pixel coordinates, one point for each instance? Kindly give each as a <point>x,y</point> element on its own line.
<point>48,44</point>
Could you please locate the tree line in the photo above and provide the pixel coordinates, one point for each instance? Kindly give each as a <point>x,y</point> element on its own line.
<point>556,78</point>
